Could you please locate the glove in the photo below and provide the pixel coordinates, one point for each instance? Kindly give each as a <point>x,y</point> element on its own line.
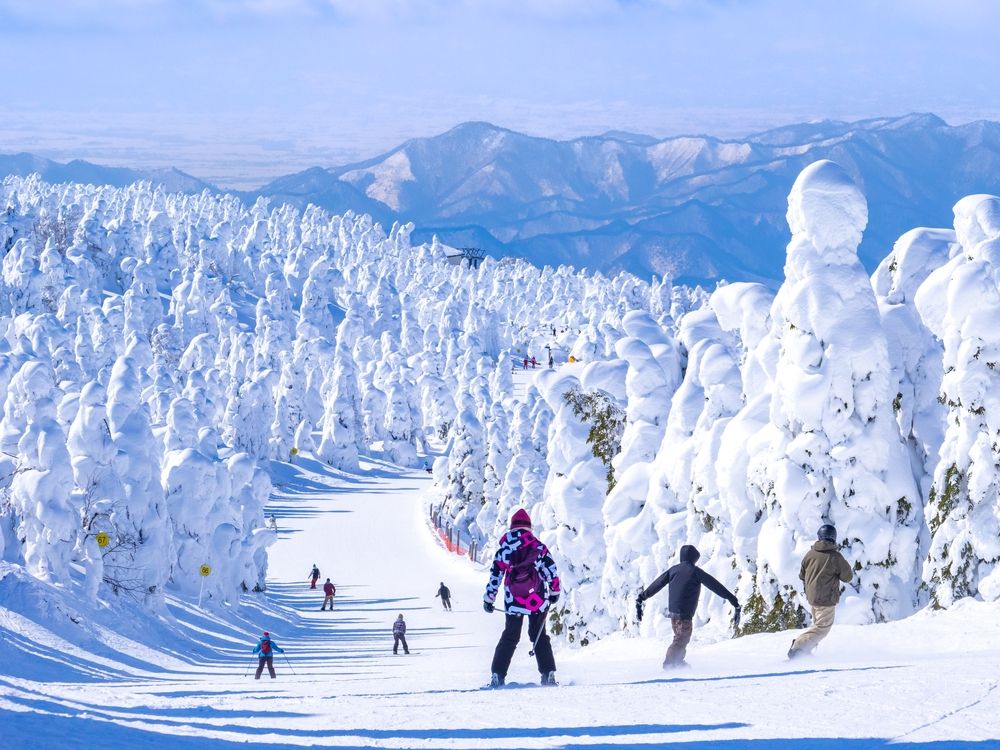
<point>638,607</point>
<point>553,597</point>
<point>736,616</point>
<point>488,606</point>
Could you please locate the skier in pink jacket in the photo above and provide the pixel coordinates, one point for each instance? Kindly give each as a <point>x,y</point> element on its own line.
<point>531,585</point>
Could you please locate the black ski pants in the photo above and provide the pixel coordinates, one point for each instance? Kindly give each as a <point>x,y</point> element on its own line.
<point>398,638</point>
<point>446,603</point>
<point>269,661</point>
<point>512,634</point>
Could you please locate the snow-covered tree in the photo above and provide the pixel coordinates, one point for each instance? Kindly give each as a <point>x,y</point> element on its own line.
<point>833,452</point>
<point>960,302</point>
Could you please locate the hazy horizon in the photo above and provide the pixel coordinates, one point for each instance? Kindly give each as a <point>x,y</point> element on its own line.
<point>238,91</point>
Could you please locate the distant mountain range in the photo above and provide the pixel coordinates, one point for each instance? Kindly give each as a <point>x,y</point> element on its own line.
<point>173,180</point>
<point>695,208</point>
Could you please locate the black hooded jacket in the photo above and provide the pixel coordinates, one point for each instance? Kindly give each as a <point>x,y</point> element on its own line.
<point>686,580</point>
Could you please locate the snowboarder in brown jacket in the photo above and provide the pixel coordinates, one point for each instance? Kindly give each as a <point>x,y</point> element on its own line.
<point>823,569</point>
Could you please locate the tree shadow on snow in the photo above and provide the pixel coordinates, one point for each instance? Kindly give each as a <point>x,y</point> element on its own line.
<point>764,675</point>
<point>44,703</point>
<point>46,723</point>
<point>43,730</point>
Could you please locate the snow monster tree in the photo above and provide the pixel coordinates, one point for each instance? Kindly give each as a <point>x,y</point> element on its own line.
<point>831,451</point>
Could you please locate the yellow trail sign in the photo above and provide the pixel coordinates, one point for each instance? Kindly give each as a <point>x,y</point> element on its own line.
<point>205,570</point>
<point>102,539</point>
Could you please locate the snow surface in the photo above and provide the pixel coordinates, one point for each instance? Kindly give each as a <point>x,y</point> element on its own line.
<point>162,356</point>
<point>180,683</point>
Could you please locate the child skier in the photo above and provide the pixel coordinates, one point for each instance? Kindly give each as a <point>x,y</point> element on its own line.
<point>265,649</point>
<point>314,575</point>
<point>399,636</point>
<point>526,568</point>
<point>445,593</point>
<point>823,569</point>
<point>686,580</point>
<point>328,593</point>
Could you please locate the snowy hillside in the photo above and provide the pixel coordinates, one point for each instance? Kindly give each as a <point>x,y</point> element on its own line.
<point>696,209</point>
<point>75,678</point>
<point>743,422</point>
<point>174,369</point>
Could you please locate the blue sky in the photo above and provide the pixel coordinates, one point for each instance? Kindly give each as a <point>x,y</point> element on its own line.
<point>334,78</point>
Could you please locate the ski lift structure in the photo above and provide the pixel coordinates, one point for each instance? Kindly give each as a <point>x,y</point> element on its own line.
<point>470,256</point>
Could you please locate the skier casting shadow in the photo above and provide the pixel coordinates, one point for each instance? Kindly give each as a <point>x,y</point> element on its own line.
<point>329,591</point>
<point>399,635</point>
<point>526,568</point>
<point>686,580</point>
<point>445,593</point>
<point>264,650</point>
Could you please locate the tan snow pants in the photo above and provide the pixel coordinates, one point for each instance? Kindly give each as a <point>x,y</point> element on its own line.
<point>678,649</point>
<point>822,622</point>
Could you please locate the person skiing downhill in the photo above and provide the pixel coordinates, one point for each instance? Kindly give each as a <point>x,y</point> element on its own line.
<point>686,580</point>
<point>264,650</point>
<point>314,575</point>
<point>399,635</point>
<point>445,593</point>
<point>823,569</point>
<point>328,593</point>
<point>526,568</point>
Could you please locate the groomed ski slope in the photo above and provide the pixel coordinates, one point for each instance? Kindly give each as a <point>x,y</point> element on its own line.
<point>925,682</point>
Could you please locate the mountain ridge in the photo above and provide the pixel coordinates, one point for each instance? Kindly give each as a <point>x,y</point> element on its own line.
<point>695,207</point>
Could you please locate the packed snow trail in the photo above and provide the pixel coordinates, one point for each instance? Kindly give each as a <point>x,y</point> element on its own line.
<point>370,537</point>
<point>921,680</point>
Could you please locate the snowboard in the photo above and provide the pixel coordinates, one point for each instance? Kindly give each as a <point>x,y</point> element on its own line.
<point>521,685</point>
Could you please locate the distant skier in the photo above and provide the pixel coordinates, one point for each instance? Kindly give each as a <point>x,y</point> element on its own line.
<point>534,362</point>
<point>329,591</point>
<point>823,569</point>
<point>314,575</point>
<point>272,523</point>
<point>525,366</point>
<point>445,593</point>
<point>399,636</point>
<point>552,361</point>
<point>526,568</point>
<point>686,580</point>
<point>265,649</point>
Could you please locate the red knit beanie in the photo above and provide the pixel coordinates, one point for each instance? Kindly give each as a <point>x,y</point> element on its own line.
<point>520,520</point>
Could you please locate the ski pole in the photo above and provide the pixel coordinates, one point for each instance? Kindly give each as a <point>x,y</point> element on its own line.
<point>250,664</point>
<point>534,643</point>
<point>289,665</point>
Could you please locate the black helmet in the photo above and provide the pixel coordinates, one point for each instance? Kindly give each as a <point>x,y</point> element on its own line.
<point>827,533</point>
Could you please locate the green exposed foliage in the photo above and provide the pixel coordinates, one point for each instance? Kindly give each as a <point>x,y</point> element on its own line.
<point>606,420</point>
<point>558,625</point>
<point>784,614</point>
<point>945,502</point>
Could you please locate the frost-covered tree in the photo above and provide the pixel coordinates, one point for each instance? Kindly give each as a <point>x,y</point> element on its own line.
<point>584,436</point>
<point>464,491</point>
<point>960,302</point>
<point>342,434</point>
<point>141,521</point>
<point>833,452</point>
<point>398,443</point>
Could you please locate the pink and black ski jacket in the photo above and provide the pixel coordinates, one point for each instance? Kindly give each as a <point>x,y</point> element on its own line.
<point>526,568</point>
